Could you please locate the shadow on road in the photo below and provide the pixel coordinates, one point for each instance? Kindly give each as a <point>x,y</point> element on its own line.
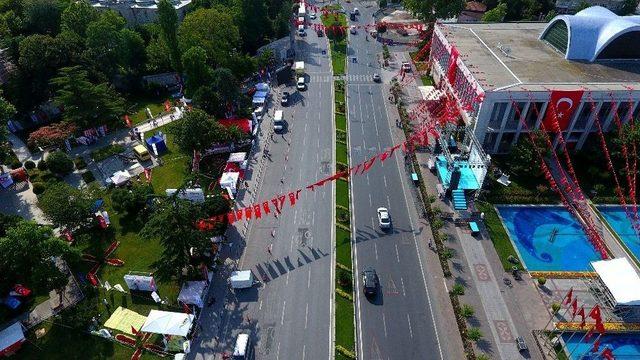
<point>275,268</point>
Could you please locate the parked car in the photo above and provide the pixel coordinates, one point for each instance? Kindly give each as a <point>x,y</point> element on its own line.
<point>353,29</point>
<point>312,16</point>
<point>406,67</point>
<point>320,33</point>
<point>284,101</point>
<point>384,220</point>
<point>377,78</point>
<point>300,85</point>
<point>370,282</point>
<point>521,344</point>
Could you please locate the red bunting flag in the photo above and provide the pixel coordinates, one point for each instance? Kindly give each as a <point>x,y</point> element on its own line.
<point>581,313</point>
<point>595,314</point>
<point>589,334</point>
<point>256,211</point>
<point>568,297</point>
<point>274,201</point>
<point>574,307</point>
<point>355,169</point>
<point>247,212</point>
<point>596,345</point>
<point>265,207</point>
<point>292,198</point>
<point>239,214</point>
<point>368,164</point>
<point>607,354</point>
<point>185,308</point>
<point>133,330</point>
<point>600,327</point>
<point>231,217</point>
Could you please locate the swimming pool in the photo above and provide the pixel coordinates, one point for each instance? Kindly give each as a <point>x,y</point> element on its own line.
<point>624,346</point>
<point>548,238</point>
<point>619,221</point>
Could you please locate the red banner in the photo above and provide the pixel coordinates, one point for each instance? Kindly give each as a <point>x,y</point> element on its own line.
<point>451,72</point>
<point>561,106</point>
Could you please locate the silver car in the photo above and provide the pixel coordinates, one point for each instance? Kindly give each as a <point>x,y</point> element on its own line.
<point>384,220</point>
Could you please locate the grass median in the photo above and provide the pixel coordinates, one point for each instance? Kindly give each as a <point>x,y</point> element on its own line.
<point>497,234</point>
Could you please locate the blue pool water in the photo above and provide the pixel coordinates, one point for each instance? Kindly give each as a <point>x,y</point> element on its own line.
<point>532,231</point>
<point>624,346</point>
<point>617,218</point>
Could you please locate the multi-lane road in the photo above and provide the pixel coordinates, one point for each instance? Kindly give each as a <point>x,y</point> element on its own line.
<point>398,323</point>
<point>289,315</point>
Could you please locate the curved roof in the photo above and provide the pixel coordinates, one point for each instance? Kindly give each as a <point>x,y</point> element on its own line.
<point>591,30</point>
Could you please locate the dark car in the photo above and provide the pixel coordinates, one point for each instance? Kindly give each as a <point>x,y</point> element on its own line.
<point>320,33</point>
<point>520,344</point>
<point>284,101</point>
<point>370,282</point>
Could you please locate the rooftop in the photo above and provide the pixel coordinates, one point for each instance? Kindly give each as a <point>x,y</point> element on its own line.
<point>505,54</point>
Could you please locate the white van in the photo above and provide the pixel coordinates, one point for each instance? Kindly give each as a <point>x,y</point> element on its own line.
<point>301,31</point>
<point>278,121</point>
<point>300,85</point>
<point>242,350</point>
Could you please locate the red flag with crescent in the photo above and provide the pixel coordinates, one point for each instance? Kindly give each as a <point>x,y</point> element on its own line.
<point>596,346</point>
<point>607,354</point>
<point>127,121</point>
<point>561,106</point>
<point>595,314</point>
<point>568,297</point>
<point>451,71</point>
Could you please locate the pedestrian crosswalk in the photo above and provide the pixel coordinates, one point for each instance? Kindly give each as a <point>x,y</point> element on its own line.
<point>351,78</point>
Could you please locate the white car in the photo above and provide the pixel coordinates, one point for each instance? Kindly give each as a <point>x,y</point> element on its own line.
<point>312,16</point>
<point>406,67</point>
<point>384,220</point>
<point>300,85</point>
<point>353,29</point>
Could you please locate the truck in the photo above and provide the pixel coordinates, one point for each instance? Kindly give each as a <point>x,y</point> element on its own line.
<point>299,67</point>
<point>242,279</point>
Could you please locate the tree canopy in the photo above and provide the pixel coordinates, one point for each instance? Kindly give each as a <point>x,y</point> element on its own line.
<point>496,14</point>
<point>430,10</point>
<point>197,131</point>
<point>168,21</point>
<point>66,206</point>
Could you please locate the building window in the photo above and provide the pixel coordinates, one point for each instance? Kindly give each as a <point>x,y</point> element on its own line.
<point>558,36</point>
<point>489,141</point>
<point>621,113</point>
<point>505,142</point>
<point>497,114</point>
<point>532,114</point>
<point>583,117</point>
<point>624,46</point>
<point>604,112</point>
<point>514,117</point>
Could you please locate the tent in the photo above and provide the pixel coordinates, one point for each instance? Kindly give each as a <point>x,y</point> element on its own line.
<point>6,180</point>
<point>243,124</point>
<point>230,180</point>
<point>11,339</point>
<point>259,100</point>
<point>168,323</point>
<point>120,177</point>
<point>124,319</point>
<point>193,293</point>
<point>262,87</point>
<point>621,280</point>
<point>237,157</point>
<point>159,142</point>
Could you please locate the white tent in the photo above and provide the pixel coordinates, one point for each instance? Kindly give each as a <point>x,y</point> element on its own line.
<point>120,177</point>
<point>168,323</point>
<point>229,181</point>
<point>621,279</point>
<point>193,292</point>
<point>237,157</point>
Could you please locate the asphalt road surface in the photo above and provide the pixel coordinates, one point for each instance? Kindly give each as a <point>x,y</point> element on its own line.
<point>289,315</point>
<point>398,323</point>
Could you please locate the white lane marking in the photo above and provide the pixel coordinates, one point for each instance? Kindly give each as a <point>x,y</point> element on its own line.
<point>397,253</point>
<point>370,203</point>
<point>368,180</point>
<point>384,324</point>
<point>384,177</point>
<point>306,316</point>
<point>389,202</point>
<point>375,247</point>
<point>287,282</point>
<point>304,348</point>
<point>410,329</point>
<point>284,305</point>
<point>446,288</point>
<point>260,305</point>
<point>278,354</point>
<point>402,283</point>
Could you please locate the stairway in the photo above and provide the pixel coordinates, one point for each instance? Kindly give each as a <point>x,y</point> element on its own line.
<point>459,200</point>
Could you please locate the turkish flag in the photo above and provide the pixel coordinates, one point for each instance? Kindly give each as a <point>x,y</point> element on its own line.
<point>568,297</point>
<point>600,327</point>
<point>574,307</point>
<point>247,212</point>
<point>368,164</point>
<point>607,354</point>
<point>581,313</point>
<point>596,346</point>
<point>265,207</point>
<point>256,211</point>
<point>231,217</point>
<point>133,330</point>
<point>561,106</point>
<point>451,71</point>
<point>292,198</point>
<point>239,214</point>
<point>595,314</point>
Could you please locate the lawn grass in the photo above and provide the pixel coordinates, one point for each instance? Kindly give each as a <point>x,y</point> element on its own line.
<point>175,166</point>
<point>498,235</point>
<point>139,105</point>
<point>342,153</point>
<point>342,193</point>
<point>341,122</point>
<point>339,57</point>
<point>104,152</point>
<point>344,323</point>
<point>343,247</point>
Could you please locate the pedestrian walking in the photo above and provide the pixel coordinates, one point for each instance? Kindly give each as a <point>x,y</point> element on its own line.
<point>269,249</point>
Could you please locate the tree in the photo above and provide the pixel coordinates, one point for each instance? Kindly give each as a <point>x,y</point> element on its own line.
<point>496,14</point>
<point>131,201</point>
<point>550,15</point>
<point>196,69</point>
<point>209,100</point>
<point>197,131</point>
<point>214,31</point>
<point>382,3</point>
<point>104,43</point>
<point>226,84</point>
<point>86,104</point>
<point>27,256</point>
<point>66,206</point>
<point>132,51</point>
<point>158,58</point>
<point>51,135</point>
<point>39,58</point>
<point>628,7</point>
<point>6,112</point>
<point>430,10</point>
<point>253,23</point>
<point>583,5</point>
<point>77,17</point>
<point>59,163</point>
<point>168,20</point>
<point>173,223</point>
<point>42,16</point>
<point>8,221</point>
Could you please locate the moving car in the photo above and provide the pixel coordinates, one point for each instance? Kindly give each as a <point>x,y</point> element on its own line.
<point>384,220</point>
<point>284,101</point>
<point>312,16</point>
<point>356,11</point>
<point>377,78</point>
<point>352,16</point>
<point>522,346</point>
<point>301,31</point>
<point>242,350</point>
<point>406,67</point>
<point>369,282</point>
<point>353,29</point>
<point>278,122</point>
<point>300,85</point>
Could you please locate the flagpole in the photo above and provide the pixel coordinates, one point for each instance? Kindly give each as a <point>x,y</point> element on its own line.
<point>581,339</point>
<point>591,348</point>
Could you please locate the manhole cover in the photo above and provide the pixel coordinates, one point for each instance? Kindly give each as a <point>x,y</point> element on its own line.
<point>305,235</point>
